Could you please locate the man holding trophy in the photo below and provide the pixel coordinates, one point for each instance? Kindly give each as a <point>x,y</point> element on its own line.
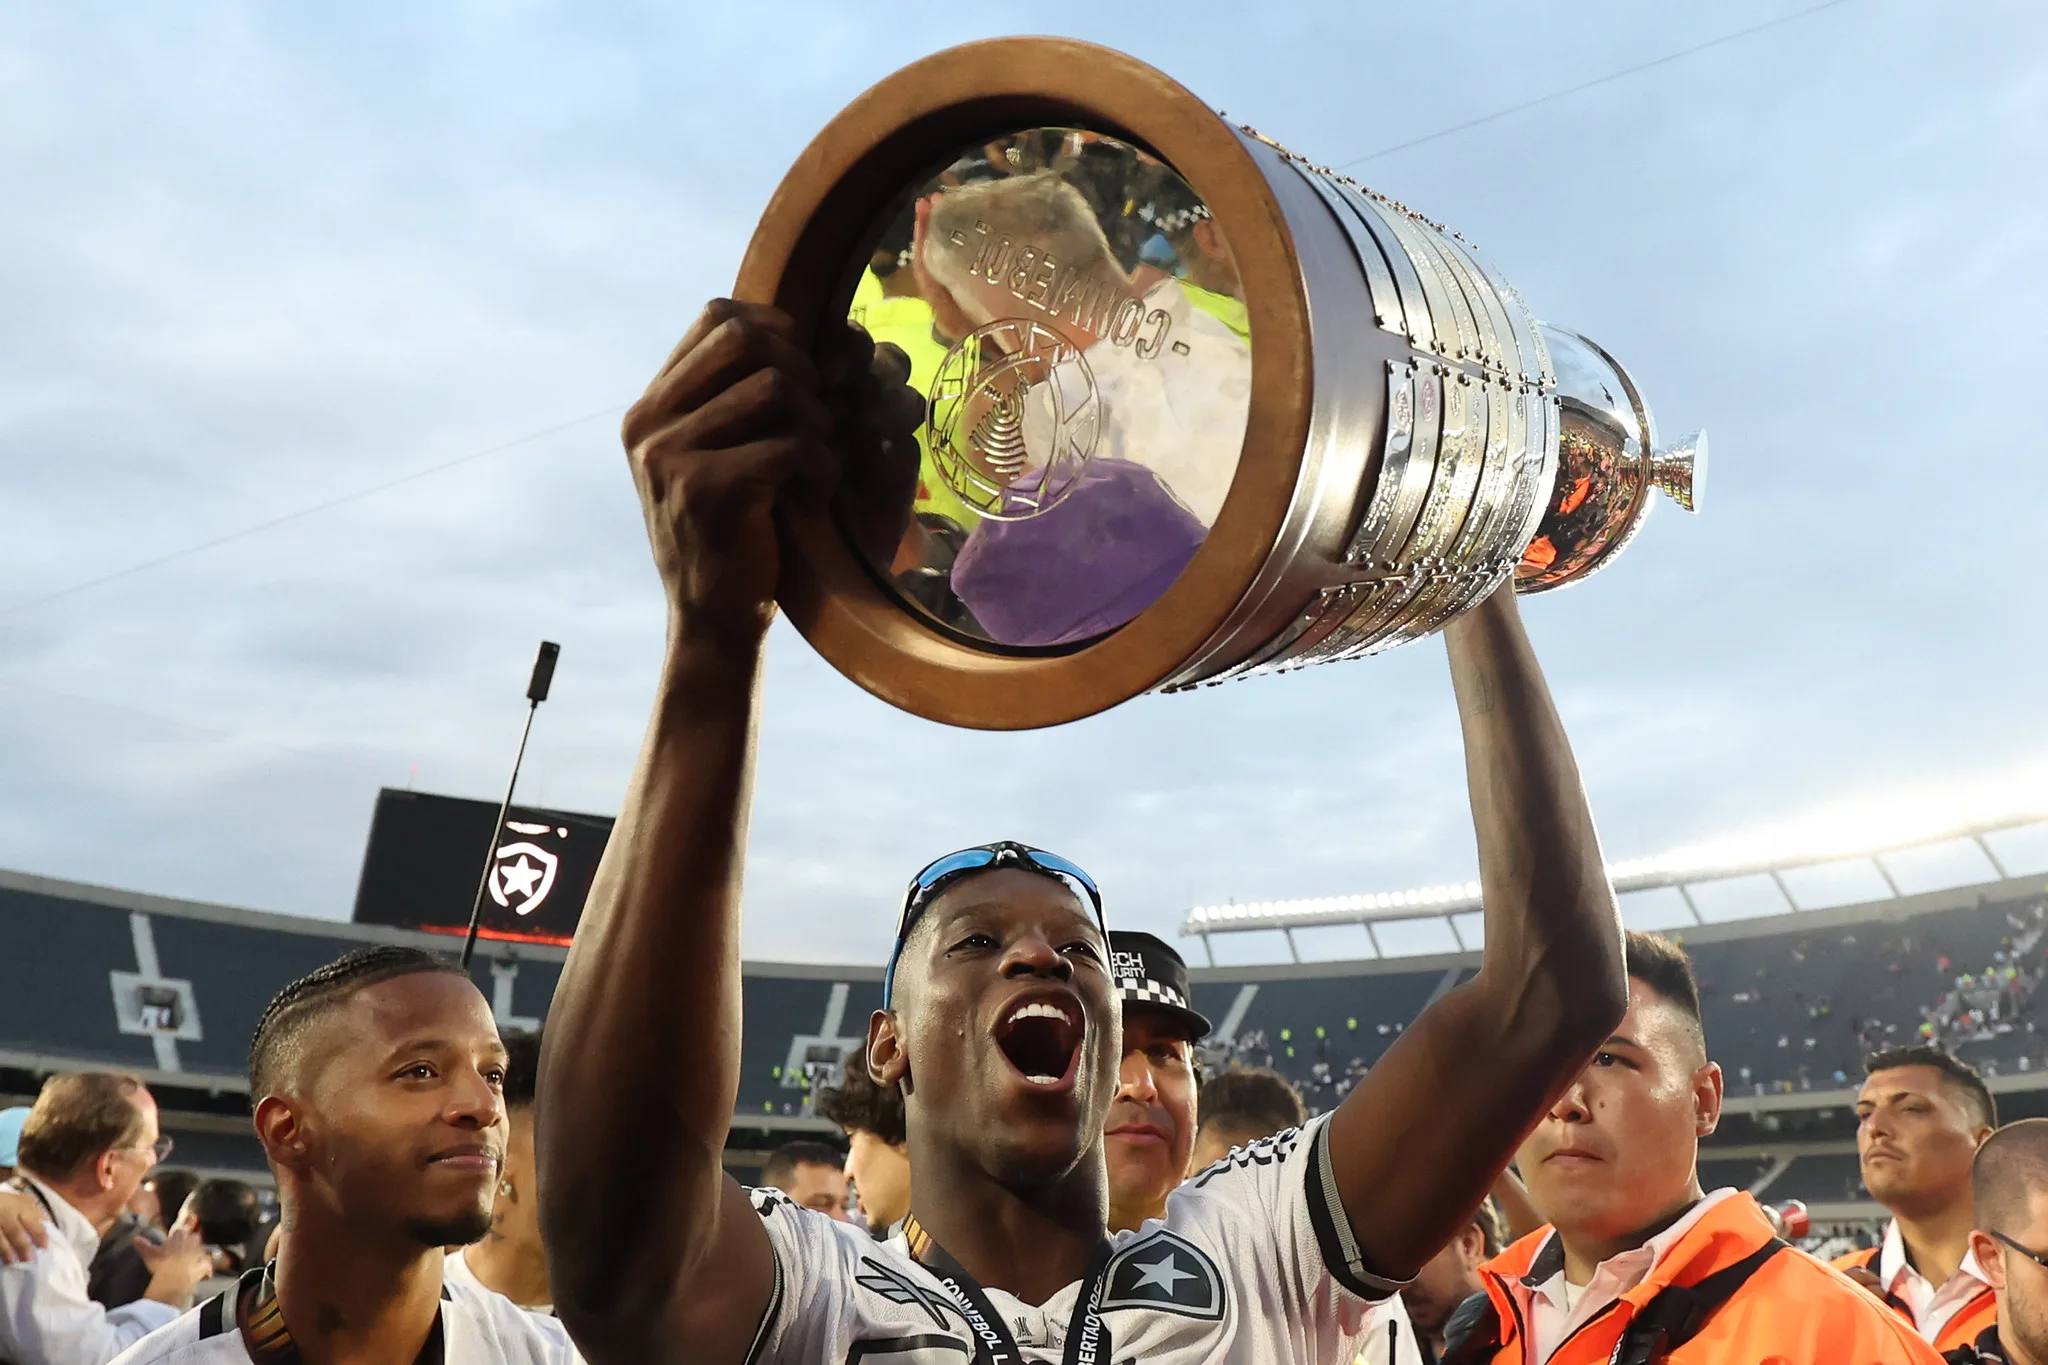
<point>1002,1022</point>
<point>1187,408</point>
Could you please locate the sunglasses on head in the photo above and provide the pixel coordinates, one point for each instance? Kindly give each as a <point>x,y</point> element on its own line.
<point>927,884</point>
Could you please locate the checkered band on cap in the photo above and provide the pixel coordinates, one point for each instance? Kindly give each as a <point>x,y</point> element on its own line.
<point>1147,991</point>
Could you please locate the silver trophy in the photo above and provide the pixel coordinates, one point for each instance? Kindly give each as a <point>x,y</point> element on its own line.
<point>1197,409</point>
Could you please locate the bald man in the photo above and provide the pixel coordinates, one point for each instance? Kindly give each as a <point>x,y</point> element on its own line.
<point>2009,1181</point>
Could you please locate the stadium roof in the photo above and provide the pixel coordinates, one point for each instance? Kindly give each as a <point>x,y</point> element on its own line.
<point>1866,834</point>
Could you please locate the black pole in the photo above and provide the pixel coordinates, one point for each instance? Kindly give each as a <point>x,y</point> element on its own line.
<point>536,693</point>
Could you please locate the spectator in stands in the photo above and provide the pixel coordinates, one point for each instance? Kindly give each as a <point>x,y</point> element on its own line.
<point>509,1260</point>
<point>377,1087</point>
<point>1920,1119</point>
<point>2009,1183</point>
<point>1615,1164</point>
<point>878,1150</point>
<point>1243,1105</point>
<point>1150,1133</point>
<point>1446,1296</point>
<point>85,1147</point>
<point>810,1173</point>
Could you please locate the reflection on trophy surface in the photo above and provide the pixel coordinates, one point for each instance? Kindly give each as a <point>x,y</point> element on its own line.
<point>1086,418</point>
<point>1117,490</point>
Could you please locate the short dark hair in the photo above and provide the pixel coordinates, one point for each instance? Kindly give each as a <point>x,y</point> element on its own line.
<point>783,1161</point>
<point>173,1187</point>
<point>522,1068</point>
<point>1493,1228</point>
<point>228,1211</point>
<point>1249,1103</point>
<point>1662,965</point>
<point>77,1116</point>
<point>2008,1168</point>
<point>281,1031</point>
<point>859,1105</point>
<point>1959,1072</point>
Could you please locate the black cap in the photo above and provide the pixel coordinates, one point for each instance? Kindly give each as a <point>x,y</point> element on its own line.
<point>1147,972</point>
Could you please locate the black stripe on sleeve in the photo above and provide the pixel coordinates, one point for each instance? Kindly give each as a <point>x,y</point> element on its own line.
<point>213,1315</point>
<point>768,1318</point>
<point>1341,1256</point>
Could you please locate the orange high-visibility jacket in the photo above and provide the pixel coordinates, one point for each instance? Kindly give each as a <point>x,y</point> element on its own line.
<point>1793,1310</point>
<point>1961,1330</point>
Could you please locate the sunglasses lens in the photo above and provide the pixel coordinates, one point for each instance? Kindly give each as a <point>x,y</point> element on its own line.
<point>962,861</point>
<point>1053,862</point>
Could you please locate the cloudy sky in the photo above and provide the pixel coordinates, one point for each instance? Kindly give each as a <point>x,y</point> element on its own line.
<point>257,259</point>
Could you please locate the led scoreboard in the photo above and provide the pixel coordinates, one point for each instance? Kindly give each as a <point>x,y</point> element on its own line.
<point>427,852</point>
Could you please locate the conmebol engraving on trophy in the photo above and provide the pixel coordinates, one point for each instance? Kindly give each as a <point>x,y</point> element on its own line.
<point>1197,408</point>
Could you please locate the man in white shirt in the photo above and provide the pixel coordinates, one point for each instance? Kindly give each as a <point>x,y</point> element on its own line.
<point>1920,1119</point>
<point>1000,1020</point>
<point>85,1147</point>
<point>377,1082</point>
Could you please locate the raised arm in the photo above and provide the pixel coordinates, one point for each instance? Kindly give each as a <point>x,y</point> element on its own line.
<point>1420,1140</point>
<point>654,1253</point>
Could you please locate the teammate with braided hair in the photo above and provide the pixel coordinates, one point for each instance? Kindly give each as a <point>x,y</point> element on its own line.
<point>378,1082</point>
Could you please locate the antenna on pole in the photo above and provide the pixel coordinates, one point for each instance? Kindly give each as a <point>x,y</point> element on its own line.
<point>536,693</point>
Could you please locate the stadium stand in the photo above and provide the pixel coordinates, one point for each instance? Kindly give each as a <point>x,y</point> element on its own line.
<point>1739,1171</point>
<point>1820,1178</point>
<point>171,989</point>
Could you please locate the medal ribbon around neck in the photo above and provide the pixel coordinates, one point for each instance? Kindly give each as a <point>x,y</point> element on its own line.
<point>1088,1341</point>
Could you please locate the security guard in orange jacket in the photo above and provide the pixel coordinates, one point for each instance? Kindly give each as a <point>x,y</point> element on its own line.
<point>1640,1265</point>
<point>1919,1121</point>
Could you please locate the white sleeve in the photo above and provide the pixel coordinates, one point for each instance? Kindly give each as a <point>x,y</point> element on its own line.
<point>175,1342</point>
<point>813,1315</point>
<point>1271,1207</point>
<point>46,1317</point>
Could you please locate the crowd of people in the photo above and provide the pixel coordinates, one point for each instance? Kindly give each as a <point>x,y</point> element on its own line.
<point>109,1251</point>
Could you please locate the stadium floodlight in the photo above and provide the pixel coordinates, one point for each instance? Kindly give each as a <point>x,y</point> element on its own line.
<point>1864,831</point>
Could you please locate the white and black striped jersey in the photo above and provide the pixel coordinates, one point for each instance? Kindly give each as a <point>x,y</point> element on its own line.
<point>1254,1263</point>
<point>476,1327</point>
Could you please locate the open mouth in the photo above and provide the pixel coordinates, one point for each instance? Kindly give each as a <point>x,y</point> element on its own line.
<point>1042,1039</point>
